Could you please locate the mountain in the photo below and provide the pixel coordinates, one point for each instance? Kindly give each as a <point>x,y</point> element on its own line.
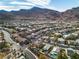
<point>4,15</point>
<point>40,14</point>
<point>31,14</point>
<point>71,14</point>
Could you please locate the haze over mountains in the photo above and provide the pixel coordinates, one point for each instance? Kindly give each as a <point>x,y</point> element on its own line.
<point>40,14</point>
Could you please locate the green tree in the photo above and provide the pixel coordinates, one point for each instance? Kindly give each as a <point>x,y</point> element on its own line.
<point>69,38</point>
<point>75,56</point>
<point>42,56</point>
<point>62,54</point>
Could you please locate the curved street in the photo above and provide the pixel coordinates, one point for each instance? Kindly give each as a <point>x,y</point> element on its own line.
<point>16,46</point>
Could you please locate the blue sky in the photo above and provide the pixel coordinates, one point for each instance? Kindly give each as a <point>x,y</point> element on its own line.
<point>59,5</point>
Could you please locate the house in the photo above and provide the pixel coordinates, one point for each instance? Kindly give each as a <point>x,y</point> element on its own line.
<point>56,48</point>
<point>61,40</point>
<point>47,46</point>
<point>70,51</point>
<point>77,41</point>
<point>54,52</point>
<point>21,57</point>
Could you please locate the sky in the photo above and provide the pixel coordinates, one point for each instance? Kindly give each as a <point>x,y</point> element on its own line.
<point>59,5</point>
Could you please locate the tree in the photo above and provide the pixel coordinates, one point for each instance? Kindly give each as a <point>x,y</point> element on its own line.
<point>50,49</point>
<point>56,38</point>
<point>2,34</point>
<point>75,56</point>
<point>66,42</point>
<point>62,54</point>
<point>70,37</point>
<point>41,46</point>
<point>4,46</point>
<point>42,56</point>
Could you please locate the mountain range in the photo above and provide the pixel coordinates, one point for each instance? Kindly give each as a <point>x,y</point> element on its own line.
<point>40,14</point>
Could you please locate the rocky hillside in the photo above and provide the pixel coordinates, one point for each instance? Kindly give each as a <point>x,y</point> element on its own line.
<point>32,14</point>
<point>40,14</point>
<point>71,14</point>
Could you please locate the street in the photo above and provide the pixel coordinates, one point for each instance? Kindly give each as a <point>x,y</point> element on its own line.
<point>28,53</point>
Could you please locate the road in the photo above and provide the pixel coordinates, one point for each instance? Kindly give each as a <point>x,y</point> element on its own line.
<point>8,39</point>
<point>29,54</point>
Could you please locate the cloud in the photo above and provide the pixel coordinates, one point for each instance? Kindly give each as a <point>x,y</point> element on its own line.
<point>8,8</point>
<point>32,3</point>
<point>4,7</point>
<point>22,3</point>
<point>25,4</point>
<point>28,4</point>
<point>40,2</point>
